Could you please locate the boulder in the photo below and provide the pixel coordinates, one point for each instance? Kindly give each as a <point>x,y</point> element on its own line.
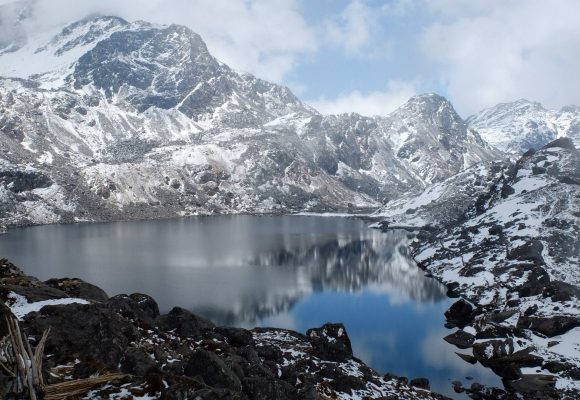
<point>422,383</point>
<point>136,307</point>
<point>461,339</point>
<point>537,384</point>
<point>530,251</point>
<point>89,332</point>
<point>212,369</point>
<point>535,283</point>
<point>460,314</point>
<point>496,230</point>
<point>79,289</point>
<point>467,358</point>
<point>561,291</point>
<point>237,337</point>
<point>330,342</point>
<point>184,322</point>
<point>549,326</point>
<point>136,361</point>
<point>8,269</point>
<point>491,350</point>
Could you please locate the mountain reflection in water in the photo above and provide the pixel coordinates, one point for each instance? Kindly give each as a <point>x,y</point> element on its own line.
<point>292,272</point>
<point>367,259</point>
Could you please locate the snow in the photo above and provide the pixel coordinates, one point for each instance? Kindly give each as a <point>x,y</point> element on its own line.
<point>20,306</point>
<point>40,55</point>
<point>514,127</point>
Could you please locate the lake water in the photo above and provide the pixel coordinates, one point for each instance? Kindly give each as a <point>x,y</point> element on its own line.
<point>292,272</point>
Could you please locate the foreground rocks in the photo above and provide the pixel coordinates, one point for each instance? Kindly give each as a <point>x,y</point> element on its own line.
<point>181,355</point>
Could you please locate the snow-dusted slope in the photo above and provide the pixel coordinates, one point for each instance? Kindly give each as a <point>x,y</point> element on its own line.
<point>522,125</point>
<point>107,119</point>
<point>514,256</point>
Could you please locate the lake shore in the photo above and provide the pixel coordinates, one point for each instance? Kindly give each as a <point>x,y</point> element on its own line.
<point>181,355</point>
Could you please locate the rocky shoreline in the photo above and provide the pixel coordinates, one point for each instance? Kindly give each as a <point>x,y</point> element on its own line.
<point>512,259</point>
<point>180,355</point>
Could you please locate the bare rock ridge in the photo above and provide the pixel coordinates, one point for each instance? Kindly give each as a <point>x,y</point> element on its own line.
<point>106,119</point>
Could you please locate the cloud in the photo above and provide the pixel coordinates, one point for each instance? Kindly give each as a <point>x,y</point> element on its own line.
<point>383,102</point>
<point>353,28</point>
<point>497,51</point>
<point>263,37</point>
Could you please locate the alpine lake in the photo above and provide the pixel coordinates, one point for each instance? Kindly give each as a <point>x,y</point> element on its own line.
<point>293,272</point>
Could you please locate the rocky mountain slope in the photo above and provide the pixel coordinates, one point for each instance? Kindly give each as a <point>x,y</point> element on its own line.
<point>106,119</point>
<point>512,254</point>
<point>522,125</point>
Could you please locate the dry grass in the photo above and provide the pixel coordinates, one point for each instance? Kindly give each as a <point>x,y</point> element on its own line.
<point>19,361</point>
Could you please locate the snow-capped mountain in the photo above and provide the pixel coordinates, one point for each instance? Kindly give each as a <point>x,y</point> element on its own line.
<point>522,125</point>
<point>106,119</point>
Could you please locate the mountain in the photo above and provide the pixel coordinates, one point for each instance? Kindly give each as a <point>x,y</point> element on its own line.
<point>105,119</point>
<point>522,125</point>
<point>510,249</point>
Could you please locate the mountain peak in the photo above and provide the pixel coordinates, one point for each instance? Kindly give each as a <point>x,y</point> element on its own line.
<point>521,125</point>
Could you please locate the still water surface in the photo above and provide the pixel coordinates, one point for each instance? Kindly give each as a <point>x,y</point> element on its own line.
<point>293,272</point>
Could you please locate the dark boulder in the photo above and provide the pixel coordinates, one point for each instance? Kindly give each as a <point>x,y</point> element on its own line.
<point>506,191</point>
<point>548,326</point>
<point>330,342</point>
<point>212,369</point>
<point>453,290</point>
<point>492,349</point>
<point>89,332</point>
<point>496,230</point>
<point>79,289</point>
<point>535,283</point>
<point>460,339</point>
<point>136,361</point>
<point>493,331</point>
<point>237,337</point>
<point>136,307</point>
<point>270,353</point>
<point>184,322</point>
<point>422,383</point>
<point>535,386</point>
<point>8,269</point>
<point>346,384</point>
<point>460,314</point>
<point>530,251</point>
<point>561,291</point>
<point>467,358</point>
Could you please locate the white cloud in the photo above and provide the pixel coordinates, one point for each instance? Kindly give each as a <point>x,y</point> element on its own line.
<point>373,103</point>
<point>496,51</point>
<point>263,37</point>
<point>353,28</point>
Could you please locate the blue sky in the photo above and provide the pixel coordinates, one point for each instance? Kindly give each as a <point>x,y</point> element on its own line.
<point>370,56</point>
